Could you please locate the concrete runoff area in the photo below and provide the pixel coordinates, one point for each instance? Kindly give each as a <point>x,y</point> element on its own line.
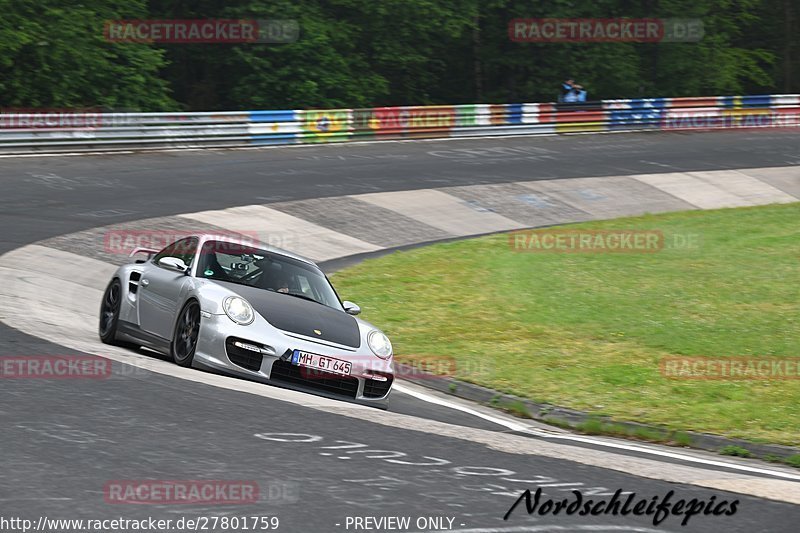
<point>441,210</point>
<point>750,189</point>
<point>784,179</point>
<point>519,203</point>
<point>363,220</point>
<point>609,197</point>
<point>291,233</point>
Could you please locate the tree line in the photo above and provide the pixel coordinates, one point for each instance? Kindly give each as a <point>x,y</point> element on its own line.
<point>364,53</point>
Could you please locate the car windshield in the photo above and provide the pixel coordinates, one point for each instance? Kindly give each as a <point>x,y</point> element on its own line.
<point>254,267</point>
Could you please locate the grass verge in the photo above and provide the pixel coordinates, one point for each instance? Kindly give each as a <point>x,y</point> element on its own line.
<point>588,331</point>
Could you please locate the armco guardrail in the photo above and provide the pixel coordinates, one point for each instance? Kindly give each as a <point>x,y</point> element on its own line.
<point>62,130</point>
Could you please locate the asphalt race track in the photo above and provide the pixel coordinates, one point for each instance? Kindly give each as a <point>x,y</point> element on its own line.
<point>63,440</point>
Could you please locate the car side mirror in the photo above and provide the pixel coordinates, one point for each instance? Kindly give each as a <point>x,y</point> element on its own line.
<point>350,308</point>
<point>174,263</point>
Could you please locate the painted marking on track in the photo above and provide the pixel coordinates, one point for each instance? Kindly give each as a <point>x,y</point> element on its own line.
<point>536,200</point>
<point>54,181</point>
<point>656,163</point>
<point>36,499</point>
<point>588,440</point>
<point>486,475</point>
<point>244,147</point>
<point>62,432</point>
<point>107,213</point>
<point>589,194</point>
<point>476,205</point>
<point>482,471</point>
<point>288,437</point>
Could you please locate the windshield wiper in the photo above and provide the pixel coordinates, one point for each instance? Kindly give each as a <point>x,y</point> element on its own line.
<point>303,296</point>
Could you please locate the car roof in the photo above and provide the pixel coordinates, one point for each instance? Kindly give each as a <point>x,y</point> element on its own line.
<point>246,241</point>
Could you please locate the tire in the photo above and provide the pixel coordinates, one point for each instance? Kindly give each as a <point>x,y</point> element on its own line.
<point>109,313</point>
<point>187,331</point>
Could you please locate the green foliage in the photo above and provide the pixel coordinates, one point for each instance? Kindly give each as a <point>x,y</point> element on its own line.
<point>514,407</point>
<point>360,53</point>
<point>55,56</point>
<point>736,451</point>
<point>592,426</point>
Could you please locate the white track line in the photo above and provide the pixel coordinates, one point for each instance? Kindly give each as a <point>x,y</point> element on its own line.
<point>458,407</point>
<point>514,426</point>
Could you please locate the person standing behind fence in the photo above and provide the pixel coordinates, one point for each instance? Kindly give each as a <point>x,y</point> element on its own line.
<point>572,92</point>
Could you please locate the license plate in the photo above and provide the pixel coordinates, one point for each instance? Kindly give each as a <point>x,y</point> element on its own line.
<point>321,362</point>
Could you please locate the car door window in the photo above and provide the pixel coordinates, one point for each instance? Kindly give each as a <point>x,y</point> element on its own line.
<point>183,249</point>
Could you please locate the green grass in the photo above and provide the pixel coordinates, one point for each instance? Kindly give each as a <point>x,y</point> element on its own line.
<point>793,460</point>
<point>681,439</point>
<point>587,331</point>
<point>593,426</point>
<point>514,407</point>
<point>736,451</point>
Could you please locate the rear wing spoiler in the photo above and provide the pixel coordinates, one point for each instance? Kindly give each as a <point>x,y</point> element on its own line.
<point>138,250</point>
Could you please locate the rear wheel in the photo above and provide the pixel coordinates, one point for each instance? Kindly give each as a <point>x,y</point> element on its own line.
<point>109,312</point>
<point>187,330</point>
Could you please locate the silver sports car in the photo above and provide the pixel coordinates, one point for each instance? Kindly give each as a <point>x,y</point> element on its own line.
<point>248,310</point>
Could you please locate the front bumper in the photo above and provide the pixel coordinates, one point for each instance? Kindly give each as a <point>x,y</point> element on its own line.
<point>369,382</point>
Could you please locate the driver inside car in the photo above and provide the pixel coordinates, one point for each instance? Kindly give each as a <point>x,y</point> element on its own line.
<point>281,284</point>
<point>272,278</point>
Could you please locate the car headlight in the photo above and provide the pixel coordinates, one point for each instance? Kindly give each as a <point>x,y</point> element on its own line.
<point>238,310</point>
<point>379,344</point>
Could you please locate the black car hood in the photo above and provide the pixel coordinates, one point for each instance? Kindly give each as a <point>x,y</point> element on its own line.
<point>300,316</point>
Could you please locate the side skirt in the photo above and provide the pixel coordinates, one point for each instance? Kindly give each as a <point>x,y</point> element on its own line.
<point>129,332</point>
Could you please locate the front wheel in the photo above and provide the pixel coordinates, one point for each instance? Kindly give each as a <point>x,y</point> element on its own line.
<point>187,330</point>
<point>109,312</point>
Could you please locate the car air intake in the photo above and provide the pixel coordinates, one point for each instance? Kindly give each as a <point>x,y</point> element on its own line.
<point>243,353</point>
<point>377,388</point>
<point>133,282</point>
<point>315,379</point>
